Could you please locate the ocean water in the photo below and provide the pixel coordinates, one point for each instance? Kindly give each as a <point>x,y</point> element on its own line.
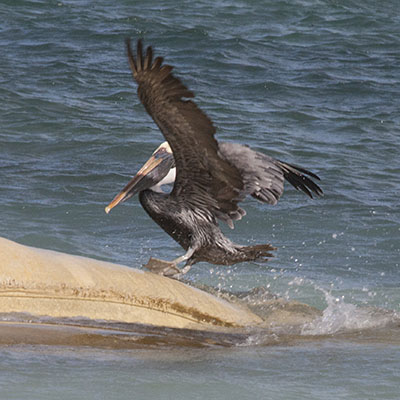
<point>314,83</point>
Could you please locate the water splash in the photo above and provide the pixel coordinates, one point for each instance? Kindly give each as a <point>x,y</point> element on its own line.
<point>339,316</point>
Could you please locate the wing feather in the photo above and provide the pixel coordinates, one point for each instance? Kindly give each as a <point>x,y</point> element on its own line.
<point>264,176</point>
<point>204,180</point>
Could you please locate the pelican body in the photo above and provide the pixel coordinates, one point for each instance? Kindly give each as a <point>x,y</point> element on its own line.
<point>210,178</point>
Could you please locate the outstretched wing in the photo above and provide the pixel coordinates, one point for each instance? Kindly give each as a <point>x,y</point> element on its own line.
<point>204,180</point>
<point>264,176</point>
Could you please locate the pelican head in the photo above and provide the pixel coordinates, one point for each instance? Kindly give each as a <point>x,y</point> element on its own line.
<point>157,171</point>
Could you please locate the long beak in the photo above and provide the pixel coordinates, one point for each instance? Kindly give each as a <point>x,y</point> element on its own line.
<point>137,183</point>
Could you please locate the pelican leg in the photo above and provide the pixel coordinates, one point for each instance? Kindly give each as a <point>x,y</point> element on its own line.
<point>170,268</point>
<point>185,257</point>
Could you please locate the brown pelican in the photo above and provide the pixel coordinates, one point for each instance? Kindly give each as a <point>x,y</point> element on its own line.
<point>211,177</point>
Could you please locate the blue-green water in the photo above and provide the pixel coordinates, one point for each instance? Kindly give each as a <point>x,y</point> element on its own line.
<point>315,83</point>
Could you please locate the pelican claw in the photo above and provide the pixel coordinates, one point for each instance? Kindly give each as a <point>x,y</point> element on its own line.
<point>161,267</point>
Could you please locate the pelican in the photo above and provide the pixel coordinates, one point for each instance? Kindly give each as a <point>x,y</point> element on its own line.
<point>209,177</point>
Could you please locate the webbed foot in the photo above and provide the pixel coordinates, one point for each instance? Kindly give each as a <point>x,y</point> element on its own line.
<point>161,267</point>
<point>170,268</point>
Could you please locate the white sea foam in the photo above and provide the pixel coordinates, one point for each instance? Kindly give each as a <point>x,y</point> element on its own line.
<point>339,316</point>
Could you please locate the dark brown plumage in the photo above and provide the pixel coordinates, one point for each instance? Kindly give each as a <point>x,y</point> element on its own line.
<point>203,178</point>
<point>211,177</point>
